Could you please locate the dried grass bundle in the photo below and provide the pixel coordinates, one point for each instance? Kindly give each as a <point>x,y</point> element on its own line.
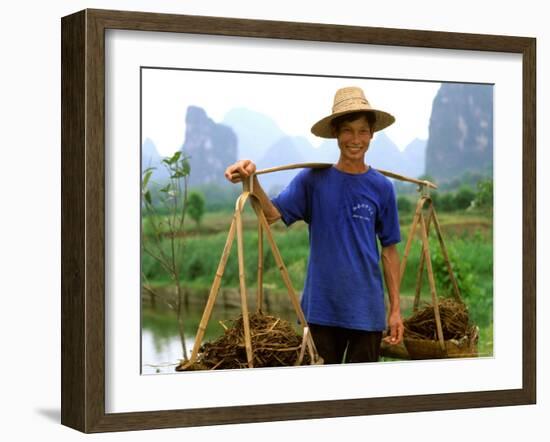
<point>275,343</point>
<point>454,321</point>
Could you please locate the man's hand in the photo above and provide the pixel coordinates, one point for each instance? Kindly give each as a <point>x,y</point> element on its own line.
<point>244,168</point>
<point>395,324</point>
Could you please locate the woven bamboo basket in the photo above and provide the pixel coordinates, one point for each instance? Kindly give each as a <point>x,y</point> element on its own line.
<point>465,347</point>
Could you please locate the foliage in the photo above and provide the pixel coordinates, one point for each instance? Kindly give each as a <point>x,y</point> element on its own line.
<point>404,204</point>
<point>218,197</point>
<point>463,198</point>
<point>172,198</point>
<point>484,194</point>
<point>477,296</point>
<point>468,178</point>
<point>446,202</point>
<point>435,196</point>
<point>195,206</point>
<point>454,201</point>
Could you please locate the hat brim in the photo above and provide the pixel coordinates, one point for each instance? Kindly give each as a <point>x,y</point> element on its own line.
<point>323,127</point>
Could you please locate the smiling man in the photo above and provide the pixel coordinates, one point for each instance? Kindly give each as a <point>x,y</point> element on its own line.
<point>347,207</point>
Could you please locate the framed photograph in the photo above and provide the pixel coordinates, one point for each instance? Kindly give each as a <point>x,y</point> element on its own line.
<point>155,107</point>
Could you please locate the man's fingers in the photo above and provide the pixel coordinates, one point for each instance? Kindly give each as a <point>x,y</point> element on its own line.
<point>394,332</point>
<point>243,171</point>
<point>397,333</point>
<point>240,170</point>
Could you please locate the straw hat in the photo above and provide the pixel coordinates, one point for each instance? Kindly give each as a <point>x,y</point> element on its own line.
<point>346,101</point>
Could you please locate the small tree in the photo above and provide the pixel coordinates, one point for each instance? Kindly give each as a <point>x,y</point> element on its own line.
<point>195,207</point>
<point>171,199</point>
<point>404,204</point>
<point>446,202</point>
<point>484,194</point>
<point>463,198</point>
<point>435,198</point>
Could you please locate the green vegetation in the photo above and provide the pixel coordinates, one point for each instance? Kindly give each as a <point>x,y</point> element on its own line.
<point>195,207</point>
<point>161,245</point>
<point>484,195</point>
<point>465,198</point>
<point>404,204</point>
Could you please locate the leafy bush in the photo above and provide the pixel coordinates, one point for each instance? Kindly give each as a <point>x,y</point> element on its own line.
<point>446,202</point>
<point>195,206</point>
<point>484,194</point>
<point>477,295</point>
<point>404,204</point>
<point>463,198</point>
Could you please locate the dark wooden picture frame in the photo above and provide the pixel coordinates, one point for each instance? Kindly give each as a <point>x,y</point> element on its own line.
<point>83,220</point>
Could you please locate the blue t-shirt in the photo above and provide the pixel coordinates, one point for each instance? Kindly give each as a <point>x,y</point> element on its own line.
<point>345,214</point>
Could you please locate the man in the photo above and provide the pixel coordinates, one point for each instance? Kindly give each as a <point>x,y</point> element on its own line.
<point>347,207</point>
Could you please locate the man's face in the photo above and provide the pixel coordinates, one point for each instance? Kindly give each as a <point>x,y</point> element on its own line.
<point>354,139</point>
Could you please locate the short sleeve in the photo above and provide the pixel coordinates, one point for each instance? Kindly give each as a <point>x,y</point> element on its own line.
<point>387,222</point>
<point>293,202</point>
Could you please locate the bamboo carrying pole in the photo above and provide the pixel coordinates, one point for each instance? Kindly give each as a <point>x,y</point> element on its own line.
<point>282,268</point>
<point>456,290</point>
<point>435,301</point>
<point>260,288</point>
<point>242,281</point>
<point>387,173</point>
<point>213,294</point>
<point>237,228</point>
<point>420,272</point>
<point>416,219</point>
<point>425,258</point>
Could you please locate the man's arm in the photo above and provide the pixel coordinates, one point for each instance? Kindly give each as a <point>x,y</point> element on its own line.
<point>245,168</point>
<point>390,264</point>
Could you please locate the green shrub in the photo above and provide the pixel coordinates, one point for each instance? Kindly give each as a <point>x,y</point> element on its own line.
<point>484,195</point>
<point>446,202</point>
<point>404,204</point>
<point>463,198</point>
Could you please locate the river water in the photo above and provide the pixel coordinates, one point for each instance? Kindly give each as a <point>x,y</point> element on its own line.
<point>161,348</point>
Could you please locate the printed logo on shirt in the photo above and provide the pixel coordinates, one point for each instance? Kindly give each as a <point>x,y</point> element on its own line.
<point>362,211</point>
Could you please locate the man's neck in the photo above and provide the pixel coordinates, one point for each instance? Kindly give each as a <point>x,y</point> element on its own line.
<point>351,166</point>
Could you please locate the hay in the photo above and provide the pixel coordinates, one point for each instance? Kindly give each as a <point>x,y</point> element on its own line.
<point>274,344</point>
<point>454,321</point>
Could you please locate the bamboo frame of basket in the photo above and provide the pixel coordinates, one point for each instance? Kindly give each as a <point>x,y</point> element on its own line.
<point>424,221</point>
<point>236,229</point>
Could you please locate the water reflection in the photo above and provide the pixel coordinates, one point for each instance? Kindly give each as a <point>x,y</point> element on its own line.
<point>161,348</point>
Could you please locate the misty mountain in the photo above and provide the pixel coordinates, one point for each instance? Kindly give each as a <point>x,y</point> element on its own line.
<point>248,134</point>
<point>255,132</point>
<point>414,156</point>
<point>461,131</point>
<point>151,158</point>
<point>261,139</point>
<point>284,151</point>
<point>211,146</point>
<point>382,154</point>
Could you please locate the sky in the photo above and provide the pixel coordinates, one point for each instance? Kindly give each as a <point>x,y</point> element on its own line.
<point>295,103</point>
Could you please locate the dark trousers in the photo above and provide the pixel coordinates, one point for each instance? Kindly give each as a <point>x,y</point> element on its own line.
<point>333,343</point>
